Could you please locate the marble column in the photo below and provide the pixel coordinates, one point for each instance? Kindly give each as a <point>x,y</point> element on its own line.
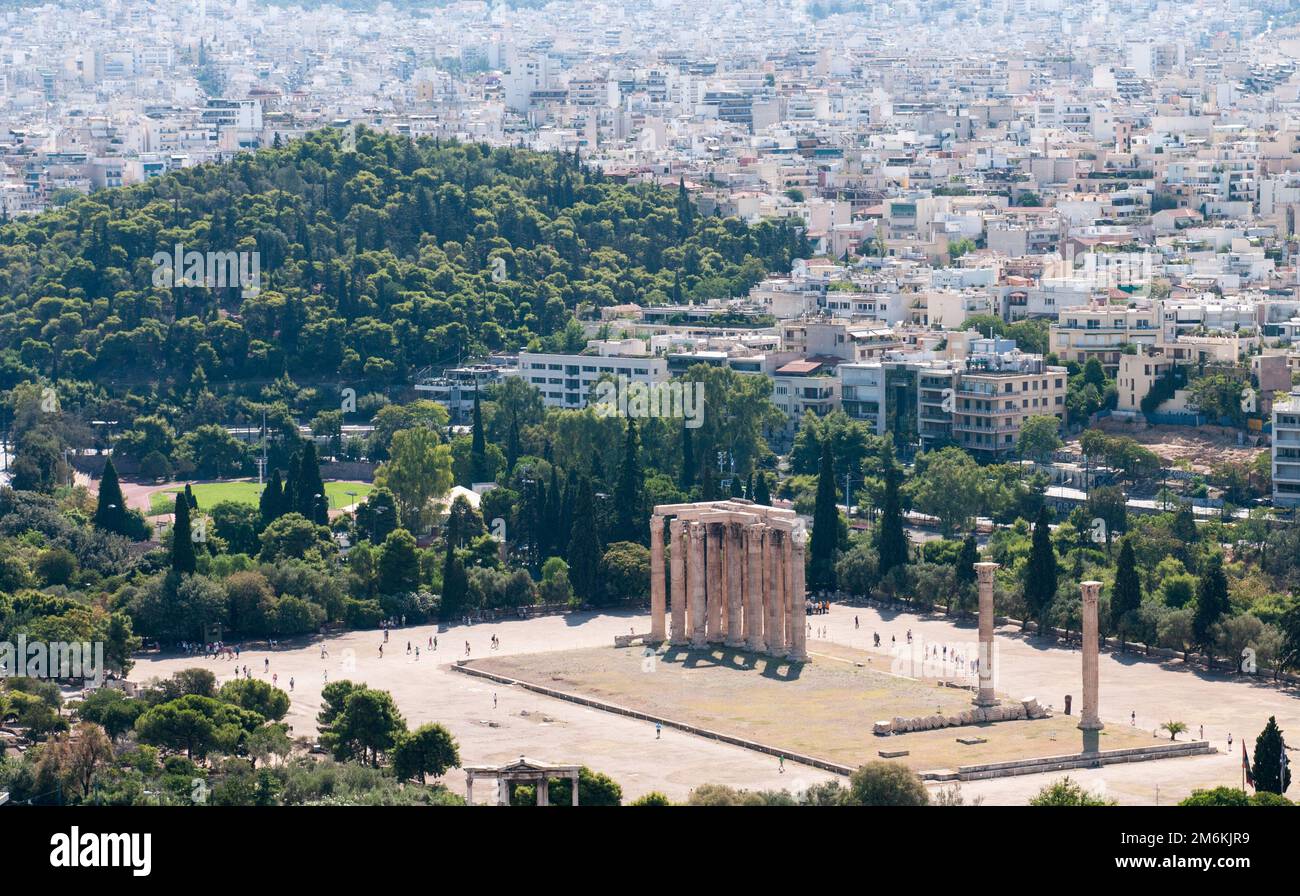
<point>985,696</point>
<point>677,561</point>
<point>1089,722</point>
<point>657,583</point>
<point>695,571</point>
<point>469,790</point>
<point>716,588</point>
<point>798,603</point>
<point>735,585</point>
<point>754,586</point>
<point>574,779</point>
<point>775,581</point>
<point>543,792</point>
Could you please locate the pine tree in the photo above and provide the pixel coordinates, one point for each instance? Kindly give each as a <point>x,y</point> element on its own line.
<point>688,478</point>
<point>1126,598</point>
<point>271,502</point>
<point>826,526</point>
<point>749,486</point>
<point>111,513</point>
<point>761,494</point>
<point>630,522</point>
<point>1268,771</point>
<point>1040,572</point>
<point>1211,602</point>
<point>892,544</point>
<point>584,545</point>
<point>183,559</point>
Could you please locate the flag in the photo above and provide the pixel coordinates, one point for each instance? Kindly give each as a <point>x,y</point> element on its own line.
<point>1282,764</point>
<point>1245,764</point>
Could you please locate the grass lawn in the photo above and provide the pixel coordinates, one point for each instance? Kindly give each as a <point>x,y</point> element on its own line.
<point>245,491</point>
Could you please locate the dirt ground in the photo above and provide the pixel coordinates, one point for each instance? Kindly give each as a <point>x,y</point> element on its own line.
<point>1202,447</point>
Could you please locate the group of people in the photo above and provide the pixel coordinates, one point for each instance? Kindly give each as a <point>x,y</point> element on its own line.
<point>818,607</point>
<point>210,650</point>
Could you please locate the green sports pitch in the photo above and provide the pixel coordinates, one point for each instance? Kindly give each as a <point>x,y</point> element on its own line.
<point>244,491</point>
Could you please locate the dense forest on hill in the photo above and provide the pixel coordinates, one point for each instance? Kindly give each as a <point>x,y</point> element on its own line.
<point>377,259</point>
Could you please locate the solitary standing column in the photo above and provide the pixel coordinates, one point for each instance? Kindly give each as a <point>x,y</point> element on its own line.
<point>695,570</point>
<point>657,578</point>
<point>543,792</point>
<point>735,581</point>
<point>715,588</point>
<point>985,697</point>
<point>754,586</point>
<point>1089,722</point>
<point>798,604</point>
<point>677,562</point>
<point>775,581</point>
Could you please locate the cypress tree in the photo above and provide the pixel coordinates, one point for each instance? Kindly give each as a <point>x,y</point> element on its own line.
<point>512,442</point>
<point>1126,598</point>
<point>1267,769</point>
<point>183,559</point>
<point>110,509</point>
<point>628,498</point>
<point>749,486</point>
<point>271,502</point>
<point>584,544</point>
<point>966,560</point>
<point>455,586</point>
<point>826,526</point>
<point>1211,602</point>
<point>737,488</point>
<point>189,496</point>
<point>761,493</point>
<point>478,459</point>
<point>308,483</point>
<point>892,544</point>
<point>1040,572</point>
<point>687,480</point>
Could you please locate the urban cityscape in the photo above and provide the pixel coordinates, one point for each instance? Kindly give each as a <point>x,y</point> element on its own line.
<point>587,402</point>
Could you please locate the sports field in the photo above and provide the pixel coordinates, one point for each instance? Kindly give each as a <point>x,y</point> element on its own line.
<point>246,491</point>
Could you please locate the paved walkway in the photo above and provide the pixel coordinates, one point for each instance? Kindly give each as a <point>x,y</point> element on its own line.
<point>558,731</point>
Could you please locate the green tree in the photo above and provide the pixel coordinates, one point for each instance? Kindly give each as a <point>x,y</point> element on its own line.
<point>1271,771</point>
<point>1039,437</point>
<point>417,471</point>
<point>399,564</point>
<point>629,494</point>
<point>1067,792</point>
<point>1040,572</point>
<point>183,559</point>
<point>428,750</point>
<point>1211,602</point>
<point>1126,597</point>
<point>886,784</point>
<point>826,527</point>
<point>111,512</point>
<point>892,544</point>
<point>584,545</point>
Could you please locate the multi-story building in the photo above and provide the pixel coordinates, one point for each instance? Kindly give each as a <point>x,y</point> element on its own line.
<point>1102,331</point>
<point>566,380</point>
<point>1286,452</point>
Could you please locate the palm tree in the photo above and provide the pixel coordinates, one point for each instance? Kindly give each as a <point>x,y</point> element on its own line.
<point>1174,729</point>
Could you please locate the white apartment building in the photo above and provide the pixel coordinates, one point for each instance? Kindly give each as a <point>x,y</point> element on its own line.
<point>1286,452</point>
<point>566,380</point>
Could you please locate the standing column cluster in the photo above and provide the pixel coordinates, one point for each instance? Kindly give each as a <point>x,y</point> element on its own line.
<point>735,575</point>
